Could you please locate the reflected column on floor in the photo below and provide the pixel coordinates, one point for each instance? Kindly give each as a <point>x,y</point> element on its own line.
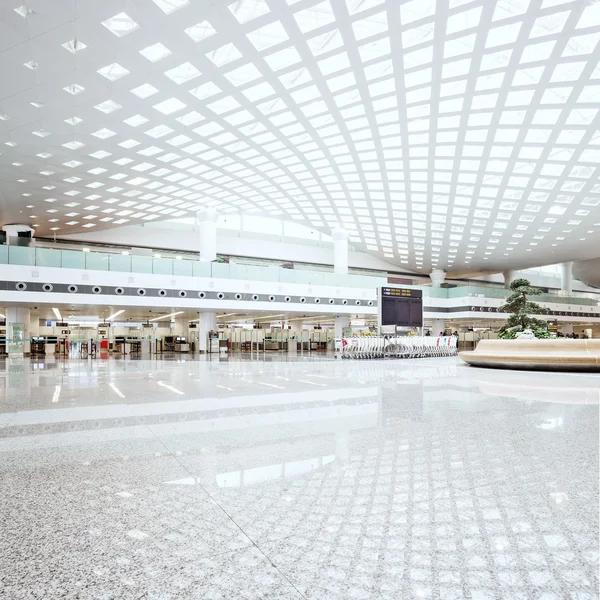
<point>17,331</point>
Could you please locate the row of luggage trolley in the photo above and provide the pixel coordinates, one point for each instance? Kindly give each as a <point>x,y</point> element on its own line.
<point>398,347</point>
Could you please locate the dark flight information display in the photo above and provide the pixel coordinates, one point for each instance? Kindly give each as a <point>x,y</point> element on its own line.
<point>402,307</point>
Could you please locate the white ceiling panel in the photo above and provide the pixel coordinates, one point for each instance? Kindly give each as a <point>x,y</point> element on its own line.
<point>441,134</point>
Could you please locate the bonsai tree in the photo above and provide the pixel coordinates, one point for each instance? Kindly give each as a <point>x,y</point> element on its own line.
<point>522,309</point>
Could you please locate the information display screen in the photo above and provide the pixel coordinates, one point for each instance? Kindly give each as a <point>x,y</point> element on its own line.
<point>402,307</point>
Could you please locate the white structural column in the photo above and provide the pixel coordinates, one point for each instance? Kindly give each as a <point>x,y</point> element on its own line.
<point>17,330</point>
<point>566,277</point>
<point>207,322</point>
<point>12,231</point>
<point>437,277</point>
<point>566,328</point>
<point>438,326</point>
<point>340,251</point>
<point>296,328</point>
<point>207,220</point>
<point>341,321</point>
<point>509,276</point>
<point>182,327</point>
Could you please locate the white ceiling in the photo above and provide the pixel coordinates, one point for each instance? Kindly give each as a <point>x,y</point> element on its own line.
<point>468,137</point>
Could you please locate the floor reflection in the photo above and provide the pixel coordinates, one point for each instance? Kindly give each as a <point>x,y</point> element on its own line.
<point>374,479</point>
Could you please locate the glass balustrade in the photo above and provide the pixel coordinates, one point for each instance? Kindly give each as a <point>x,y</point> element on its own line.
<point>106,261</point>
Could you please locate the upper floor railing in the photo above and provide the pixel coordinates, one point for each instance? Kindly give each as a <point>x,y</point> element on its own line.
<point>495,291</point>
<point>179,266</point>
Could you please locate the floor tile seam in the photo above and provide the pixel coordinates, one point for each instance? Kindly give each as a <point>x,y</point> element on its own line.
<point>226,513</point>
<point>245,533</point>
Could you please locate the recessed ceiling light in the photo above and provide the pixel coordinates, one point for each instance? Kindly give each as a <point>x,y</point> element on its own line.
<point>120,24</point>
<point>73,120</point>
<point>32,64</point>
<point>37,104</point>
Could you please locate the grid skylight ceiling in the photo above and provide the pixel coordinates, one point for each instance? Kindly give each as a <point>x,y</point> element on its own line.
<point>468,136</point>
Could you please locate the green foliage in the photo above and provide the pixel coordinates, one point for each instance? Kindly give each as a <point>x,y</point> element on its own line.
<point>522,309</point>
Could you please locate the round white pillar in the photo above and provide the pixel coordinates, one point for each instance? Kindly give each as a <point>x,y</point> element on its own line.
<point>437,277</point>
<point>438,326</point>
<point>340,251</point>
<point>207,322</point>
<point>566,277</point>
<point>341,321</point>
<point>566,328</point>
<point>207,220</point>
<point>509,276</point>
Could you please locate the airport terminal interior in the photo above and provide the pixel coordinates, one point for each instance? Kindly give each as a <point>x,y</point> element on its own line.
<point>299,299</point>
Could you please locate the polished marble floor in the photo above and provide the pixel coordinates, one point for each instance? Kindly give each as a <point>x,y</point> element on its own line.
<point>306,478</point>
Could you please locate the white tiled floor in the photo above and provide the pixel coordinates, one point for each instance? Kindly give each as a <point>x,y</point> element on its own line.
<point>308,478</point>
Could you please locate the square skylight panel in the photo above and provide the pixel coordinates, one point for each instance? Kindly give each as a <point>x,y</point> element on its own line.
<point>155,52</point>
<point>107,106</point>
<point>500,36</point>
<point>169,106</point>
<point>370,26</point>
<point>74,89</point>
<point>200,31</point>
<point>205,90</point>
<point>120,24</point>
<point>74,46</point>
<point>243,74</point>
<point>104,133</point>
<point>270,35</point>
<point>246,10</point>
<point>144,91</point>
<point>314,17</point>
<point>223,55</point>
<point>184,72</point>
<point>169,6</point>
<point>135,121</point>
<point>113,71</point>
